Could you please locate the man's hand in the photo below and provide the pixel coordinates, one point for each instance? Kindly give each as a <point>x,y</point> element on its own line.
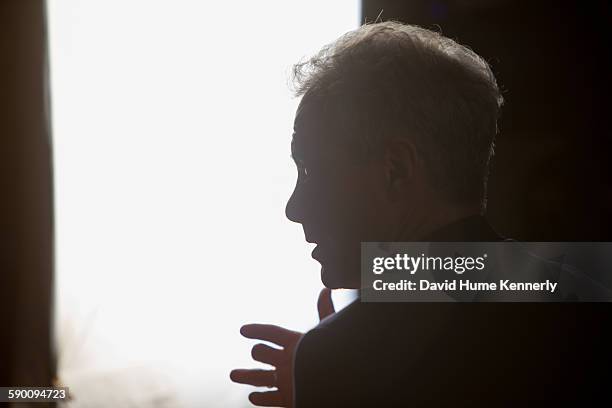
<point>280,358</point>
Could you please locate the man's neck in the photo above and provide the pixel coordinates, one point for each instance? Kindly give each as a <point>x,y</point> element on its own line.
<point>418,225</point>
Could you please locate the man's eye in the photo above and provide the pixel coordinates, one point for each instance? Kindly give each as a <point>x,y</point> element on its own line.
<point>303,172</point>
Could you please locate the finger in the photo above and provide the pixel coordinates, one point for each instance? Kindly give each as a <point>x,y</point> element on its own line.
<point>269,332</point>
<point>325,305</point>
<point>267,354</point>
<point>267,399</point>
<point>255,377</point>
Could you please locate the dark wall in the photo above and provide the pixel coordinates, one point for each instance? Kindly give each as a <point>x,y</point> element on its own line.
<point>26,204</point>
<point>551,178</point>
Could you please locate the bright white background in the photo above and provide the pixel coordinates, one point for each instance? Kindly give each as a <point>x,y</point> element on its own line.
<point>171,127</point>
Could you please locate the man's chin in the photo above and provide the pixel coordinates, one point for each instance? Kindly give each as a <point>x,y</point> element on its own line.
<point>332,279</point>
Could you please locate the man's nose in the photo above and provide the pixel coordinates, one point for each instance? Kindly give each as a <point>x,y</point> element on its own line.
<point>293,210</point>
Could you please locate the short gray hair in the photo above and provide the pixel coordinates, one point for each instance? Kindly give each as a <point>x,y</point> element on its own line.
<point>391,79</point>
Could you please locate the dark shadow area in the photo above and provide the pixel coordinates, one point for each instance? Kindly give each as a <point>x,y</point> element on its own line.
<point>26,219</point>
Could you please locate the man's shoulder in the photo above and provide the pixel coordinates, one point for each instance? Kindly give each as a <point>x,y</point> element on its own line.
<point>355,319</point>
<point>334,360</point>
<point>345,328</point>
<point>332,330</point>
<point>361,326</point>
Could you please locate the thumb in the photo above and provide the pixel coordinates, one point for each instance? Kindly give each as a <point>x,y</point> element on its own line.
<point>325,305</point>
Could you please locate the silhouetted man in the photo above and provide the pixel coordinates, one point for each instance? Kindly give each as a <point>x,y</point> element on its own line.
<point>392,141</point>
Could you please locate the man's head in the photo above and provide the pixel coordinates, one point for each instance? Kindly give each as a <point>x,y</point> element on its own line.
<point>393,136</point>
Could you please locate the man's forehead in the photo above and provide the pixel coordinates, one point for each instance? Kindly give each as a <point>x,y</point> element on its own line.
<point>314,133</point>
<point>310,115</point>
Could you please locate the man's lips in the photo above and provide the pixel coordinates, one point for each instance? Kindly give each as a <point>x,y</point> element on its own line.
<point>321,242</point>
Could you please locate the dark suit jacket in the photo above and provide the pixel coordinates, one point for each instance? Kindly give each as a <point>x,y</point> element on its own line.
<point>456,354</point>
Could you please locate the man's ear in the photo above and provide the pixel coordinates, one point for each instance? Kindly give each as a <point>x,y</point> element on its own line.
<point>400,164</point>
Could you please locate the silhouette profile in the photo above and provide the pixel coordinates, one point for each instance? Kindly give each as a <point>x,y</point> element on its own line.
<point>392,140</point>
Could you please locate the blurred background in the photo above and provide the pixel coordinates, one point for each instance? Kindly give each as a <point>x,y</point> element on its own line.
<point>145,153</point>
